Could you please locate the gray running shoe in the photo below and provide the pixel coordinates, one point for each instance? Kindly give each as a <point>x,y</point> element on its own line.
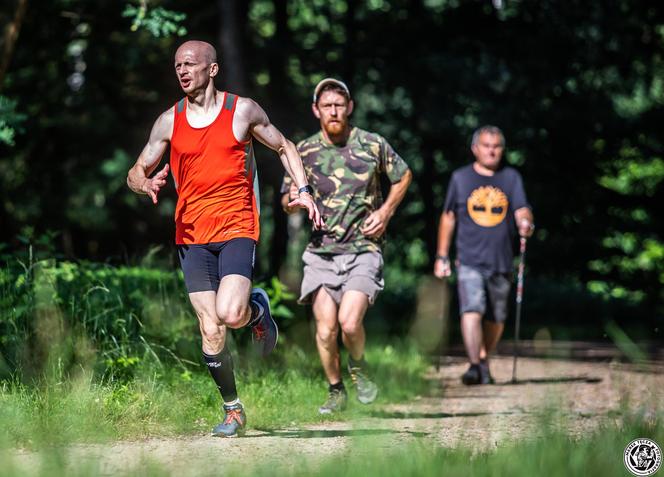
<point>235,420</point>
<point>366,388</point>
<point>472,376</point>
<point>336,401</point>
<point>485,373</point>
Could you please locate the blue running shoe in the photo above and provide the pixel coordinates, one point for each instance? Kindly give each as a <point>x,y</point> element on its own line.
<point>265,332</point>
<point>234,423</point>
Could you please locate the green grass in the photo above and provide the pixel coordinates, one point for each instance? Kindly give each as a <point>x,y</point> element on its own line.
<point>551,453</point>
<point>167,402</point>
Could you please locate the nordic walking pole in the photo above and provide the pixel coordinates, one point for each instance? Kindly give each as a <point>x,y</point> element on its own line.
<point>519,299</point>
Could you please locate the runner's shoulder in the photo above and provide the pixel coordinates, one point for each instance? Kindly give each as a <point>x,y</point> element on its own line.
<point>163,125</point>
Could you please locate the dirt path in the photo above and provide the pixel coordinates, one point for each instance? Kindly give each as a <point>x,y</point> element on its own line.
<point>483,417</point>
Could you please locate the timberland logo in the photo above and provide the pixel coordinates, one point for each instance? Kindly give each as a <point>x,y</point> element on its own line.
<point>642,457</point>
<point>487,206</point>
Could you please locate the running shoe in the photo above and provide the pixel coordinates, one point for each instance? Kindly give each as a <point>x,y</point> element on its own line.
<point>265,333</point>
<point>234,423</point>
<point>366,389</point>
<point>336,401</point>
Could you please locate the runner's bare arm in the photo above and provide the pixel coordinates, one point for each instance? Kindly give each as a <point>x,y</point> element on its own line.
<point>138,178</point>
<point>442,267</point>
<point>262,129</point>
<point>524,221</point>
<point>376,224</point>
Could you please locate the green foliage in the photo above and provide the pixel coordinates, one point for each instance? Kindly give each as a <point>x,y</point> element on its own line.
<point>582,122</point>
<point>10,120</point>
<point>110,317</point>
<point>158,21</point>
<point>278,294</point>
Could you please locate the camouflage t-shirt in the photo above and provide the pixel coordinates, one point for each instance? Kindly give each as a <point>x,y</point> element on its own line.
<point>346,182</point>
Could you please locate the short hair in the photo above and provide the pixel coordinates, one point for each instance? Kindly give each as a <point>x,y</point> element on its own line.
<point>494,130</point>
<point>333,87</point>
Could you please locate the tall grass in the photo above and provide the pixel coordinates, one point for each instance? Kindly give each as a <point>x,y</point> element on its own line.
<point>552,453</point>
<point>168,402</point>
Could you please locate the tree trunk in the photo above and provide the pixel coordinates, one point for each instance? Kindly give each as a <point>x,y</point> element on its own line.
<point>232,68</point>
<point>10,36</point>
<point>278,51</point>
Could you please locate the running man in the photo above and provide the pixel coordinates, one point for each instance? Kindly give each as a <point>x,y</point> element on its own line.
<point>487,203</point>
<point>216,217</point>
<point>343,263</point>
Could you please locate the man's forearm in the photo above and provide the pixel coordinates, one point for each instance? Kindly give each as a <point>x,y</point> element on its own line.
<point>397,193</point>
<point>445,233</point>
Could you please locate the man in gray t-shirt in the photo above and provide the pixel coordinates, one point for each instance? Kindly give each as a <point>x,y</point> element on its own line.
<point>487,205</point>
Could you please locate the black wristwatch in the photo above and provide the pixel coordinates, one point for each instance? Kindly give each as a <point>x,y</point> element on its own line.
<point>444,258</point>
<point>307,188</point>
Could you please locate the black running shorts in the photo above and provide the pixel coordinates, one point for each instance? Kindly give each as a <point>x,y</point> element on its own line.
<point>205,265</point>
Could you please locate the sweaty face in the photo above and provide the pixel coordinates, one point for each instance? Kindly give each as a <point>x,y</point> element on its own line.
<point>488,150</point>
<point>333,110</point>
<point>192,69</point>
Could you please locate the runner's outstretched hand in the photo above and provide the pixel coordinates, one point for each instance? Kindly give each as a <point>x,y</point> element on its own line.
<point>153,185</point>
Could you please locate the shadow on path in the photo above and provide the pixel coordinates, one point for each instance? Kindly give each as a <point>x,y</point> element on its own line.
<point>434,415</point>
<point>326,433</point>
<point>561,379</point>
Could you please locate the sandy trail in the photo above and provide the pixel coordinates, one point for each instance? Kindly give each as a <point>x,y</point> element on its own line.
<point>584,395</point>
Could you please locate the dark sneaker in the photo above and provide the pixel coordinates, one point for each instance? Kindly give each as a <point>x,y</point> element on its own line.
<point>265,333</point>
<point>366,389</point>
<point>235,420</point>
<point>485,373</point>
<point>336,401</point>
<point>472,375</point>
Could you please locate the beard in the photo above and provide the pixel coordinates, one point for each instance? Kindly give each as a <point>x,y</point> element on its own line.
<point>335,128</point>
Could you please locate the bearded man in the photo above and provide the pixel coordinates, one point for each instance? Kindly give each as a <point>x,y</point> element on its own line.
<point>343,263</point>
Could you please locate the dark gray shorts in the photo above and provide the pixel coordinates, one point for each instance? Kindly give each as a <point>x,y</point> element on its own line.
<point>475,286</point>
<point>204,265</point>
<point>339,273</point>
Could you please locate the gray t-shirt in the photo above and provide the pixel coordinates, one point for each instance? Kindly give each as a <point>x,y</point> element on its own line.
<point>484,208</point>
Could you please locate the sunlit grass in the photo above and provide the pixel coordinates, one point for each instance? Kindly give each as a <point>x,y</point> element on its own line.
<point>161,401</point>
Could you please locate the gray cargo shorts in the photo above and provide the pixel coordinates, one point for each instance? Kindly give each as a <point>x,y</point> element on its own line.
<point>476,285</point>
<point>339,273</point>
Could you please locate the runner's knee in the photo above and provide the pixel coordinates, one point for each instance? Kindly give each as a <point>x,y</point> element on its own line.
<point>232,314</point>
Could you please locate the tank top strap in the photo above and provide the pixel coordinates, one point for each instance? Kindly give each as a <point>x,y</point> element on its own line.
<point>229,102</point>
<point>180,106</point>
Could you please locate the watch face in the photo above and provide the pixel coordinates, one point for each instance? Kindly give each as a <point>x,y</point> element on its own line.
<point>307,188</point>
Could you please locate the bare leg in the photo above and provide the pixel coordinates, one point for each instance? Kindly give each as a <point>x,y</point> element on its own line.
<point>471,329</point>
<point>492,333</point>
<point>232,302</point>
<point>325,310</point>
<point>213,331</point>
<point>353,306</point>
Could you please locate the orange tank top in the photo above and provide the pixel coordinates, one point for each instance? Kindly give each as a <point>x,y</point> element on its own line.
<point>215,178</point>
